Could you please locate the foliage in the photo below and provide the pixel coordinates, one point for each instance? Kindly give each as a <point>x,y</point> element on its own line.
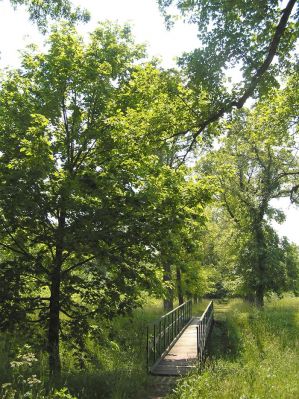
<point>85,194</point>
<point>42,11</point>
<point>220,253</point>
<point>25,384</point>
<point>114,361</point>
<point>255,163</point>
<point>228,253</point>
<point>254,354</point>
<point>256,38</point>
<point>179,231</point>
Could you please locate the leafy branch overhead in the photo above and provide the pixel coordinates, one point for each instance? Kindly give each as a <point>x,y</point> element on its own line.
<point>256,37</point>
<point>42,11</point>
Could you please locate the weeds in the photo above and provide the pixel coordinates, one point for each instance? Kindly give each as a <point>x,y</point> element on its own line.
<point>114,363</point>
<point>253,355</point>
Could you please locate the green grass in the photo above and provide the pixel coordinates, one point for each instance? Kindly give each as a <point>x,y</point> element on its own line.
<point>117,365</point>
<point>114,364</point>
<point>252,354</point>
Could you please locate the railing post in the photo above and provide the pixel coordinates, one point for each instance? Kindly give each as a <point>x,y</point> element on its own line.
<point>172,335</point>
<point>154,342</point>
<point>164,334</point>
<point>147,349</point>
<point>197,340</point>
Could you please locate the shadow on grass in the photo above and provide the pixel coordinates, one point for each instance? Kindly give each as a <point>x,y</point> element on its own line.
<point>278,320</point>
<point>116,384</point>
<point>224,341</point>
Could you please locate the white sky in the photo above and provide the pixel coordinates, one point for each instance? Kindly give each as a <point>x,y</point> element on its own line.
<point>148,27</point>
<point>143,15</point>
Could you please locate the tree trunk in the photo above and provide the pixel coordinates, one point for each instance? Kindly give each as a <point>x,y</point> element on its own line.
<point>54,320</point>
<point>179,285</point>
<point>54,324</point>
<point>168,304</point>
<point>168,301</point>
<point>261,265</point>
<point>250,298</point>
<point>259,295</point>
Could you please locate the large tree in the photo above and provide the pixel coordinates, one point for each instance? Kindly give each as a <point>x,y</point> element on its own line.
<point>256,163</point>
<point>81,180</point>
<point>42,11</point>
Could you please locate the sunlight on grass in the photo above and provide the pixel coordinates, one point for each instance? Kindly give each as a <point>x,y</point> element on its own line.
<point>253,354</point>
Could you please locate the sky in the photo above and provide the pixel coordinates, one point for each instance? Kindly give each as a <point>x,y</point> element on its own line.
<point>147,26</point>
<point>144,16</point>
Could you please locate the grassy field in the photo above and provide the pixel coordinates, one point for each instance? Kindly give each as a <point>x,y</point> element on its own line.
<point>252,354</point>
<point>114,366</point>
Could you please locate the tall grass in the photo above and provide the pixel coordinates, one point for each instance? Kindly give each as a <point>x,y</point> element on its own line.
<point>114,366</point>
<point>253,355</point>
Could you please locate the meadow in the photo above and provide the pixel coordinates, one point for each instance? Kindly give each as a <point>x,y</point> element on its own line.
<point>113,366</point>
<point>253,354</point>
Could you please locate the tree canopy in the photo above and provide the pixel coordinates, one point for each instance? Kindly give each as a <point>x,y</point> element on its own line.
<point>89,205</point>
<point>42,11</point>
<point>98,206</point>
<point>257,162</point>
<point>258,38</point>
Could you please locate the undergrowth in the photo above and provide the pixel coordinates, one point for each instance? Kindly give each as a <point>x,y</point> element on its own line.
<point>253,354</point>
<point>112,366</point>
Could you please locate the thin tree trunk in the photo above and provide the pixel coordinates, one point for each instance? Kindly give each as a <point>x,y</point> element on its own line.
<point>168,301</point>
<point>250,298</point>
<point>54,320</point>
<point>179,285</point>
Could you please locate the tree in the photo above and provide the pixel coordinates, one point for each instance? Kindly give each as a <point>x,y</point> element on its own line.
<point>81,181</point>
<point>257,163</point>
<point>179,230</point>
<point>256,37</point>
<point>220,243</point>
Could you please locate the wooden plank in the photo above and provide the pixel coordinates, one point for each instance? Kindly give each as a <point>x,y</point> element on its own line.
<point>182,357</point>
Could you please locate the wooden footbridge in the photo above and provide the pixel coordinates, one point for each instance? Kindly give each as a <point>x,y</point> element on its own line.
<point>176,342</point>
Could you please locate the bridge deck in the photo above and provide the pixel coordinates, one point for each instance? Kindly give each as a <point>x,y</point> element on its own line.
<point>182,356</point>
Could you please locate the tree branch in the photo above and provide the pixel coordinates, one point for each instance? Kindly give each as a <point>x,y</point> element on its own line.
<point>77,265</point>
<point>254,80</point>
<point>13,249</point>
<point>22,250</point>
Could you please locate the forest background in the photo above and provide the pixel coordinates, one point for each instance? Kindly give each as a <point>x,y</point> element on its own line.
<point>124,180</point>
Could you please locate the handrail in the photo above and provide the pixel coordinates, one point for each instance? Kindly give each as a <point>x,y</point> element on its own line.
<point>203,330</point>
<point>163,332</point>
<point>207,310</point>
<point>173,310</point>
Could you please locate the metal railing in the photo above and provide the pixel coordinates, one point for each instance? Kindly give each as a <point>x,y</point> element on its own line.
<point>163,332</point>
<point>203,330</point>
